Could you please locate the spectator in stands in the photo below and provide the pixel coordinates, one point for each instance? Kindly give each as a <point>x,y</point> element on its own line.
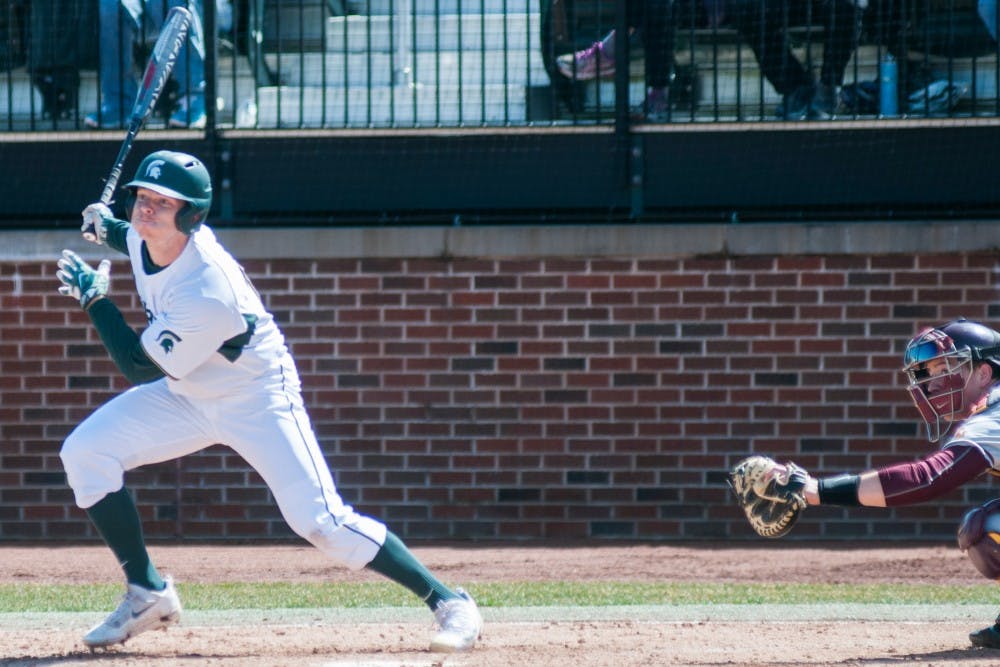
<point>122,22</point>
<point>651,21</point>
<point>763,24</point>
<point>988,12</point>
<point>893,25</point>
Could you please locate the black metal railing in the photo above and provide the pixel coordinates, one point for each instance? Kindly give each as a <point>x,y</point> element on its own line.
<point>504,63</point>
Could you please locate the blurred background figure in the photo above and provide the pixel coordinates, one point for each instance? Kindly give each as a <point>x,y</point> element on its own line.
<point>652,22</point>
<point>60,40</point>
<point>123,25</point>
<point>763,24</point>
<point>988,12</point>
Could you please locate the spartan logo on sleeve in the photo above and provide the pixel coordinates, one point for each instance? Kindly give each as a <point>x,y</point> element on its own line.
<point>154,170</point>
<point>166,340</point>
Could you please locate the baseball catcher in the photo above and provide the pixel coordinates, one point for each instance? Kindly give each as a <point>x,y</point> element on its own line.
<point>953,372</point>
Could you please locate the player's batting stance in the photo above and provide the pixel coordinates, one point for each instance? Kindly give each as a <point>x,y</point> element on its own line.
<point>954,381</point>
<point>211,367</point>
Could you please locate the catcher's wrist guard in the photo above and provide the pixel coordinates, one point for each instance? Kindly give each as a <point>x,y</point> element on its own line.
<point>771,494</point>
<point>840,490</point>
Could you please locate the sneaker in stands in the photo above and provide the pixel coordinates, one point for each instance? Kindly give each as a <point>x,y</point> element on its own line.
<point>656,108</point>
<point>795,105</point>
<point>936,98</point>
<point>823,105</point>
<point>190,112</point>
<point>109,116</point>
<point>860,98</point>
<point>139,611</point>
<point>595,62</point>
<point>459,623</point>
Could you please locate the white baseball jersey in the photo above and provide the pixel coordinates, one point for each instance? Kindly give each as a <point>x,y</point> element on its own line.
<point>982,428</point>
<point>194,306</point>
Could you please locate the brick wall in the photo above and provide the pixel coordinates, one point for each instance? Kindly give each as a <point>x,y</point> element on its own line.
<point>526,397</point>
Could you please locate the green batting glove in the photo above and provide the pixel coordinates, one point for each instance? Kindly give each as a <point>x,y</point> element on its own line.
<point>80,280</point>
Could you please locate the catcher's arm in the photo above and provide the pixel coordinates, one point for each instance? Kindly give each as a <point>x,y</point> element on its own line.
<point>905,483</point>
<point>771,494</point>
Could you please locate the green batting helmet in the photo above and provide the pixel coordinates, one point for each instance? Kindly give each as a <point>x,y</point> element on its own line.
<point>176,175</point>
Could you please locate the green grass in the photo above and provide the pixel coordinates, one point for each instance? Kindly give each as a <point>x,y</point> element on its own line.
<point>225,596</point>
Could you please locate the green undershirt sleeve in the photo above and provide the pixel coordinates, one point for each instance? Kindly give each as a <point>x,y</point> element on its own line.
<point>117,231</point>
<point>123,343</point>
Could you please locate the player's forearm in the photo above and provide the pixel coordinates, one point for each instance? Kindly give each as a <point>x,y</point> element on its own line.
<point>117,231</point>
<point>846,490</point>
<point>122,343</point>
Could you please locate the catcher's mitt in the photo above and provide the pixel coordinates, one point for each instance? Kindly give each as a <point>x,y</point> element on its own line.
<point>770,493</point>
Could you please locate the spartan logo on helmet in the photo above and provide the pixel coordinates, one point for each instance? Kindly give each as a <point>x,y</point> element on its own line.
<point>167,339</point>
<point>154,169</point>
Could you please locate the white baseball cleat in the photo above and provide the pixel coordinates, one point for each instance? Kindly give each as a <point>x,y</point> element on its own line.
<point>140,610</point>
<point>460,624</point>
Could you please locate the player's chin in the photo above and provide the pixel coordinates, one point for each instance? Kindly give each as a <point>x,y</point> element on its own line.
<point>148,228</point>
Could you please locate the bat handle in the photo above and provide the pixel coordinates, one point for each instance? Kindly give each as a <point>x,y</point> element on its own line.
<point>89,232</point>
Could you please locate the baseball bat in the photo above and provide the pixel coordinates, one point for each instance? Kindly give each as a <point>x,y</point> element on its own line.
<point>158,68</point>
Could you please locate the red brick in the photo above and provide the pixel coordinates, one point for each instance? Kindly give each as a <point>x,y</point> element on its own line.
<point>669,313</point>
<point>474,298</point>
<point>941,262</point>
<point>674,281</point>
<point>658,265</point>
<point>543,282</point>
<point>658,297</point>
<point>720,280</point>
<point>449,283</point>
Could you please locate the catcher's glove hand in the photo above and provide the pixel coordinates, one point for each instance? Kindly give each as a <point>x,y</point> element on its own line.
<point>770,493</point>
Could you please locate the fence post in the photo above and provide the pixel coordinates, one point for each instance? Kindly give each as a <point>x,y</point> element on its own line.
<point>623,129</point>
<point>210,24</point>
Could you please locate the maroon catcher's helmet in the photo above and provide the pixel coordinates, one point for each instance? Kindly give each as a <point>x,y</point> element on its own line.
<point>960,343</point>
<point>979,538</point>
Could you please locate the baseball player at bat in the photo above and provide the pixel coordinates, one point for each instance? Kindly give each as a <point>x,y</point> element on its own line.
<point>210,367</point>
<point>954,381</point>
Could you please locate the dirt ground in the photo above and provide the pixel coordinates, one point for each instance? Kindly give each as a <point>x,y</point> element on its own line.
<point>603,636</point>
